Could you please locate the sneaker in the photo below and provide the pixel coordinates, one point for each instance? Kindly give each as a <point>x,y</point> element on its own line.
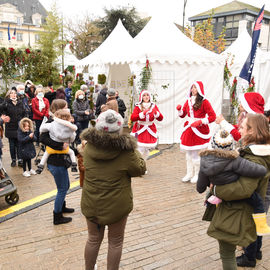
<point>39,169</point>
<point>13,163</point>
<point>33,172</point>
<point>26,174</point>
<point>243,261</point>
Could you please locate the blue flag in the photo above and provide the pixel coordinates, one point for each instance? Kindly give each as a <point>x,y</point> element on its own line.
<point>249,64</point>
<point>8,32</point>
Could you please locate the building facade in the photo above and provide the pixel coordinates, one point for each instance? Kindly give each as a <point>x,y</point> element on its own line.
<point>20,22</point>
<point>235,16</point>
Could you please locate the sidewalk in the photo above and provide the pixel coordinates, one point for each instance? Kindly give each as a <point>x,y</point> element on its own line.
<point>164,231</point>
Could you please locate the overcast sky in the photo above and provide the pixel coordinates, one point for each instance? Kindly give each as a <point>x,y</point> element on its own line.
<point>172,9</point>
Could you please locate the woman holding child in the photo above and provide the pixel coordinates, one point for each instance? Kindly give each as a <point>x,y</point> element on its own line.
<point>57,165</point>
<point>232,223</point>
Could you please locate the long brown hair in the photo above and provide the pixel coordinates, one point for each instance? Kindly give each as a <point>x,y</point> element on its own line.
<point>198,102</point>
<point>259,127</point>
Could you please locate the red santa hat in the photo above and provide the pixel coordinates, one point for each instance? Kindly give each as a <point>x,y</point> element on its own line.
<point>200,88</point>
<point>142,93</point>
<point>252,102</point>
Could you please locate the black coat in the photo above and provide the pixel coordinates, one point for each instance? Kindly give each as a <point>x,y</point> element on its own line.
<point>101,99</point>
<point>121,106</point>
<point>222,167</point>
<point>16,113</point>
<point>27,147</point>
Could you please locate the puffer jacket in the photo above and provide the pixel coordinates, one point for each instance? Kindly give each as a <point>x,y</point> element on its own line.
<point>221,167</point>
<point>79,108</point>
<point>110,160</point>
<point>232,221</point>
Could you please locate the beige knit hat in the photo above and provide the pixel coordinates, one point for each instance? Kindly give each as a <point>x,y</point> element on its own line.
<point>222,140</point>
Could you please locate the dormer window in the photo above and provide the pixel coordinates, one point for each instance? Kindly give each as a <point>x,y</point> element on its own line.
<point>36,19</point>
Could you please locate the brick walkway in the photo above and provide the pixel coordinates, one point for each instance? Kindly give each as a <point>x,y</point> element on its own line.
<point>164,231</point>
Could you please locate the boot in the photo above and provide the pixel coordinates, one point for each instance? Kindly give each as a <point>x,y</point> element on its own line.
<point>196,165</point>
<point>59,219</point>
<point>189,174</point>
<point>67,210</point>
<point>261,225</point>
<point>243,261</point>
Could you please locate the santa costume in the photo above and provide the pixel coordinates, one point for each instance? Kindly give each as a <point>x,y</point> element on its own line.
<point>196,133</point>
<point>144,128</point>
<point>252,103</point>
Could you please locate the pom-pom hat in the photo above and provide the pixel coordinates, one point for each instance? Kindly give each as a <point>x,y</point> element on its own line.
<point>252,102</point>
<point>222,140</point>
<point>109,121</point>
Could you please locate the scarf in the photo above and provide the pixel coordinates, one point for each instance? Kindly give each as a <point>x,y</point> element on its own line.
<point>14,100</point>
<point>41,104</point>
<point>146,105</point>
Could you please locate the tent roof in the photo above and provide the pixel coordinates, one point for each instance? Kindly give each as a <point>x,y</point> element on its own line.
<point>69,58</point>
<point>161,40</point>
<point>112,50</point>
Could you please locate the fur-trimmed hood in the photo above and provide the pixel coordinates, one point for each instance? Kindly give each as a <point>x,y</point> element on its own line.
<point>65,123</point>
<point>26,120</point>
<point>214,161</point>
<point>105,145</point>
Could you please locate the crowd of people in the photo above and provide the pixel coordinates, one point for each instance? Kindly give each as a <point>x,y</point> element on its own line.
<point>236,180</point>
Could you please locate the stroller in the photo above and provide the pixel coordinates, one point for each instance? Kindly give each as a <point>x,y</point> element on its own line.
<point>7,188</point>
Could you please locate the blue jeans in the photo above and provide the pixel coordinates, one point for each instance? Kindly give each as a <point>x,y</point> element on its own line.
<point>14,148</point>
<point>61,179</point>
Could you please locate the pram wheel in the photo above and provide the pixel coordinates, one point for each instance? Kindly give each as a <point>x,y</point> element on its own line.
<point>12,198</point>
<point>37,161</point>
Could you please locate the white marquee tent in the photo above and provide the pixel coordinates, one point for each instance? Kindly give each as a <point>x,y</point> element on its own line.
<point>176,62</point>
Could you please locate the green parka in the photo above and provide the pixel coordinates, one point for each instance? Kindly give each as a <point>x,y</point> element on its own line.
<point>232,221</point>
<point>110,160</point>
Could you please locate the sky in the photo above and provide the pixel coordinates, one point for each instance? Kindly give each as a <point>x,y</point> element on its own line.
<point>172,9</point>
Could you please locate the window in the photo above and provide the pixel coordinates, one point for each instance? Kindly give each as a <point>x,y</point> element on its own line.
<point>237,17</point>
<point>37,37</point>
<point>221,19</point>
<point>229,18</point>
<point>19,36</point>
<point>37,21</point>
<point>19,21</point>
<point>1,35</point>
<point>249,18</point>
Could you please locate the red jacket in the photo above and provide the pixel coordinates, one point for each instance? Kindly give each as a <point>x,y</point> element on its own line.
<point>37,114</point>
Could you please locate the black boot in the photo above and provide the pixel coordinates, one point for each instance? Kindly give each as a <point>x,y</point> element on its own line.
<point>244,261</point>
<point>59,219</point>
<point>67,210</point>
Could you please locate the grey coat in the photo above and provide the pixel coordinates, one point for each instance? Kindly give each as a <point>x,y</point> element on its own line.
<point>79,108</point>
<point>222,167</point>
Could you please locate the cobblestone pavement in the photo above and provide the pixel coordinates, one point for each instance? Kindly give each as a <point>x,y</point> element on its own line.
<point>164,231</point>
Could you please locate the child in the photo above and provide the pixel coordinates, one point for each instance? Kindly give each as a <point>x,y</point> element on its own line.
<point>222,165</point>
<point>80,149</point>
<point>60,130</point>
<point>26,140</point>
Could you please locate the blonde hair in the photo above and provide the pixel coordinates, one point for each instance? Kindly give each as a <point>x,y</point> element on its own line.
<point>63,114</point>
<point>79,92</point>
<point>38,90</point>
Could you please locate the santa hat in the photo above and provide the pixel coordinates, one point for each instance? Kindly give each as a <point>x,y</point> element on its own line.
<point>109,121</point>
<point>200,88</point>
<point>141,95</point>
<point>252,102</point>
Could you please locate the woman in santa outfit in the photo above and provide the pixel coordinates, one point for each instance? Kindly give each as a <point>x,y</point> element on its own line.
<point>196,133</point>
<point>250,102</point>
<point>144,129</point>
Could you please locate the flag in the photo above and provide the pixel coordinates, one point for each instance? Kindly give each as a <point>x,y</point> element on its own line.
<point>14,34</point>
<point>249,64</point>
<point>8,32</point>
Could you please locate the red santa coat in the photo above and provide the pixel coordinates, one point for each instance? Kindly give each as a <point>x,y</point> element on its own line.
<point>144,128</point>
<point>195,138</point>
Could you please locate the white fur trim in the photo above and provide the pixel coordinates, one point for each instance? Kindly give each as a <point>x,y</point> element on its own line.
<point>260,149</point>
<point>65,123</point>
<point>149,145</point>
<point>180,113</point>
<point>245,104</point>
<point>226,126</point>
<point>141,115</point>
<point>199,89</point>
<point>157,115</point>
<point>195,147</point>
<point>205,121</point>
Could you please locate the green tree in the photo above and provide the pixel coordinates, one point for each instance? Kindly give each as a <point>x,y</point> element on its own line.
<point>129,17</point>
<point>51,44</point>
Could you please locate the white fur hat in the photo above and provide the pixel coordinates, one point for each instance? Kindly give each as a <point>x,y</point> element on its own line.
<point>109,121</point>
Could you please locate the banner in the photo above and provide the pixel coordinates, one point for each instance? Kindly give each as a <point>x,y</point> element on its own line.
<point>9,32</point>
<point>246,71</point>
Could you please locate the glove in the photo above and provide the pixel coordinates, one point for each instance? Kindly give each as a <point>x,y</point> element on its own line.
<point>196,123</point>
<point>178,108</point>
